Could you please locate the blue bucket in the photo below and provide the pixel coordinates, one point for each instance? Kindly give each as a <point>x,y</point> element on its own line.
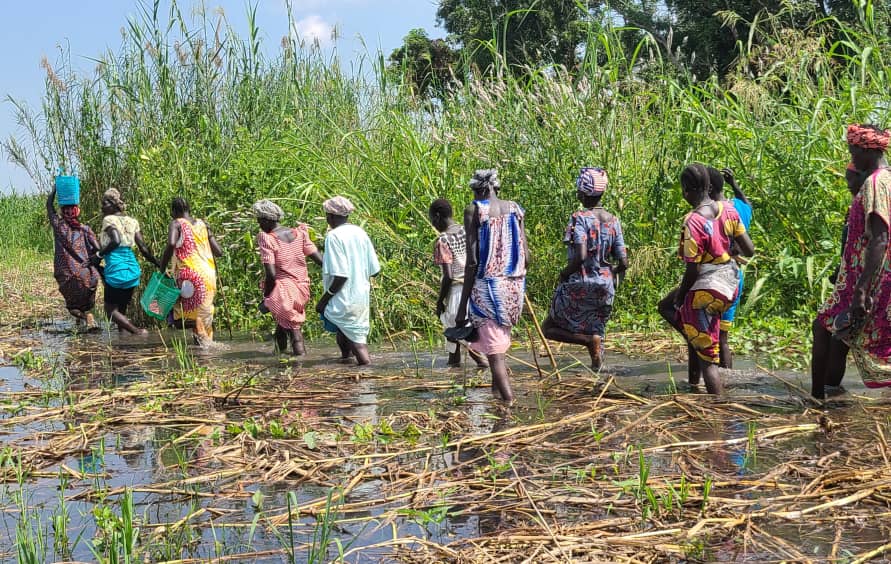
<point>68,190</point>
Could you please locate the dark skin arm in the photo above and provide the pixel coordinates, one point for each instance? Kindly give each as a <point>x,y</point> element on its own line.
<point>444,286</point>
<point>471,228</point>
<point>876,247</point>
<point>579,256</point>
<point>173,233</point>
<point>215,247</point>
<point>145,251</point>
<point>336,285</point>
<point>114,241</point>
<point>50,207</point>
<point>744,245</point>
<point>737,191</point>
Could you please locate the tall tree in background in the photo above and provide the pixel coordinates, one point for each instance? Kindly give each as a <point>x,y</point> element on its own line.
<point>702,36</point>
<point>524,32</point>
<point>426,65</point>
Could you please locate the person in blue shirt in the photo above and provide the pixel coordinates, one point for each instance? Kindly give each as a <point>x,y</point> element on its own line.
<point>744,208</point>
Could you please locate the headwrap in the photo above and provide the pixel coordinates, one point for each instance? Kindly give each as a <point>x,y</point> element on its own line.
<point>868,137</point>
<point>485,178</point>
<point>113,196</point>
<point>338,205</point>
<point>592,181</point>
<point>70,215</point>
<point>264,209</point>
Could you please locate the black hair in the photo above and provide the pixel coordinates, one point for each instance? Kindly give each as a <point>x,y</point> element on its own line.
<point>696,177</point>
<point>716,180</point>
<point>442,208</point>
<point>179,206</point>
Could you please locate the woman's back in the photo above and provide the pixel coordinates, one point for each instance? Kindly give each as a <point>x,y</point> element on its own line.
<point>287,250</point>
<point>501,242</point>
<point>601,232</point>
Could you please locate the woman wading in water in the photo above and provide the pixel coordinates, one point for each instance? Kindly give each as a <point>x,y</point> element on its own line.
<point>495,274</point>
<point>192,248</point>
<point>856,313</point>
<point>347,267</point>
<point>75,247</point>
<point>711,278</point>
<point>284,252</point>
<point>120,233</point>
<point>596,258</point>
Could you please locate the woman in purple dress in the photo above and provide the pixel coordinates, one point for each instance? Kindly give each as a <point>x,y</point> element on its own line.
<point>596,258</point>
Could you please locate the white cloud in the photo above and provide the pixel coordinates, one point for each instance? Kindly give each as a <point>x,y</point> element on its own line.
<point>313,29</point>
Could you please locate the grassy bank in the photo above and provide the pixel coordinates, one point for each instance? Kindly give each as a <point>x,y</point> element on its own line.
<point>187,106</point>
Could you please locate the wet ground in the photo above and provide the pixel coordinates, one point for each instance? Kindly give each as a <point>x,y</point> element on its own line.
<point>148,447</point>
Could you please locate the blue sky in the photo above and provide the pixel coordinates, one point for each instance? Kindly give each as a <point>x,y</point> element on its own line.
<point>37,28</point>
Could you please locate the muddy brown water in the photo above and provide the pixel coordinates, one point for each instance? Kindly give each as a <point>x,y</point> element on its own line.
<point>413,380</point>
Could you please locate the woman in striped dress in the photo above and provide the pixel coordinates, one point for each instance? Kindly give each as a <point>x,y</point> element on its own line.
<point>283,251</point>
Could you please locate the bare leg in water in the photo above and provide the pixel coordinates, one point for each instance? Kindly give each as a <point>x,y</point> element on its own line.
<point>281,339</point>
<point>500,379</point>
<point>347,348</point>
<point>828,361</point>
<point>455,358</point>
<point>113,313</point>
<point>298,346</point>
<point>591,342</point>
<point>346,351</point>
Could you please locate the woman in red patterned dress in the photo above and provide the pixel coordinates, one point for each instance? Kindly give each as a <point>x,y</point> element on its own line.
<point>284,251</point>
<point>858,312</point>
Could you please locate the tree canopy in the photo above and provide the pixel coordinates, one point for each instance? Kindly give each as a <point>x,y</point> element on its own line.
<point>701,38</point>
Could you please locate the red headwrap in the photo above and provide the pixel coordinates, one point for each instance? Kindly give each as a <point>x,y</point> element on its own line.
<point>70,214</point>
<point>868,138</point>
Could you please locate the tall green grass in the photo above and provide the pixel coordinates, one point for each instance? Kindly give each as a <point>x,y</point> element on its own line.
<point>23,224</point>
<point>186,106</point>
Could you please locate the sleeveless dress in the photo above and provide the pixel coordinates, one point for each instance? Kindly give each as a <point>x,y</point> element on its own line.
<point>496,299</point>
<point>195,273</point>
<point>288,299</point>
<point>583,304</point>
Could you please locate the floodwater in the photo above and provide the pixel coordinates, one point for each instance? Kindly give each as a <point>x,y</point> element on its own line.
<point>67,504</point>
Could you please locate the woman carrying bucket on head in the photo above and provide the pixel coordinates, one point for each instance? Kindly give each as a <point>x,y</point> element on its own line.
<point>75,245</point>
<point>192,248</point>
<point>120,233</point>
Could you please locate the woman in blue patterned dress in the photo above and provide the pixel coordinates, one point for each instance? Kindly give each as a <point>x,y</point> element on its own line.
<point>494,274</point>
<point>596,258</point>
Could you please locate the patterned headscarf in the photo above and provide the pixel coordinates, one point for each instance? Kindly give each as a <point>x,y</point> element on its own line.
<point>868,137</point>
<point>264,209</point>
<point>70,215</point>
<point>485,178</point>
<point>113,196</point>
<point>592,181</point>
<point>338,205</point>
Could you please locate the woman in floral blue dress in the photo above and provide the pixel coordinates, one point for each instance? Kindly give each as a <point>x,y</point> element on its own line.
<point>596,257</point>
